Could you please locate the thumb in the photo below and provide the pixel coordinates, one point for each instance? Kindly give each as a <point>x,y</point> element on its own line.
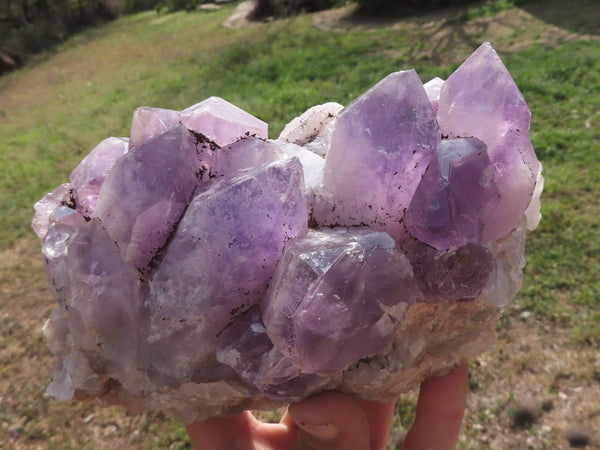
<point>331,421</point>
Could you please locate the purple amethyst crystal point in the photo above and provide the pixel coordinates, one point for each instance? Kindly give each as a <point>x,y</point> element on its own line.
<point>222,122</point>
<point>152,185</point>
<point>88,176</point>
<point>455,197</point>
<point>336,297</point>
<point>380,148</point>
<point>482,100</point>
<point>225,250</point>
<point>149,122</point>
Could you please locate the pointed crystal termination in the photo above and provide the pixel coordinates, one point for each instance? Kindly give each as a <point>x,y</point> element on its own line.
<point>222,122</point>
<point>225,250</point>
<point>152,185</point>
<point>149,122</point>
<point>482,100</point>
<point>88,176</point>
<point>380,148</point>
<point>433,88</point>
<point>455,197</point>
<point>336,297</point>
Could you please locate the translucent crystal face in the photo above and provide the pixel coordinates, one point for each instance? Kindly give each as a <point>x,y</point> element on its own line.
<point>456,196</point>
<point>201,269</point>
<point>482,100</point>
<point>336,297</point>
<point>381,146</point>
<point>222,122</point>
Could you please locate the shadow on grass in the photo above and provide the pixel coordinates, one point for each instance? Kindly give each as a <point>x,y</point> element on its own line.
<point>580,16</point>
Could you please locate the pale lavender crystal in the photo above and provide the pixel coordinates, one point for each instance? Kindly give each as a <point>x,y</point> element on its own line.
<point>149,122</point>
<point>107,327</point>
<point>44,208</point>
<point>203,270</point>
<point>88,176</point>
<point>244,154</point>
<point>380,148</point>
<point>482,100</point>
<point>508,260</point>
<point>456,196</point>
<point>433,88</point>
<point>222,122</point>
<point>336,298</point>
<point>313,166</point>
<point>65,221</point>
<point>139,209</point>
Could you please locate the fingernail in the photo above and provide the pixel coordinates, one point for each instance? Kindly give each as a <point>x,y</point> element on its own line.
<point>327,432</point>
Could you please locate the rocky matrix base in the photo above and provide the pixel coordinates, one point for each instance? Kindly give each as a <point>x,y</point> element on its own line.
<point>201,269</point>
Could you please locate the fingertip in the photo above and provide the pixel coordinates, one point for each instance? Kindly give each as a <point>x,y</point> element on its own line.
<point>221,432</point>
<point>380,417</point>
<point>331,420</point>
<point>440,412</point>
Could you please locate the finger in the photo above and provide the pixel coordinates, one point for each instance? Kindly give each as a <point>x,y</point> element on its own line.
<point>221,433</point>
<point>440,411</point>
<point>241,432</point>
<point>379,417</point>
<point>331,421</point>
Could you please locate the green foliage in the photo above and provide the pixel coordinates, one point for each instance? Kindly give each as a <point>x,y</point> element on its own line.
<point>131,6</point>
<point>29,26</point>
<point>283,8</point>
<point>490,7</point>
<point>380,7</point>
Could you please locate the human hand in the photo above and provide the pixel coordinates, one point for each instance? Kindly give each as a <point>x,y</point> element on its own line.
<point>332,421</point>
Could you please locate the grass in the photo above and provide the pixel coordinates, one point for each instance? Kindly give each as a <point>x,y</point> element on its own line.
<point>55,110</point>
<point>490,8</point>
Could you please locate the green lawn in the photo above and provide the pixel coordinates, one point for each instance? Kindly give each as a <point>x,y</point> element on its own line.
<point>55,110</point>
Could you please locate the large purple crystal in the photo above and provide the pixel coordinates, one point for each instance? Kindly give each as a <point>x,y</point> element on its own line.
<point>493,110</point>
<point>201,269</point>
<point>380,148</point>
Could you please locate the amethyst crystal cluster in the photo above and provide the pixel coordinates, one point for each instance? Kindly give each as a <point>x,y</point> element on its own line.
<point>202,269</point>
